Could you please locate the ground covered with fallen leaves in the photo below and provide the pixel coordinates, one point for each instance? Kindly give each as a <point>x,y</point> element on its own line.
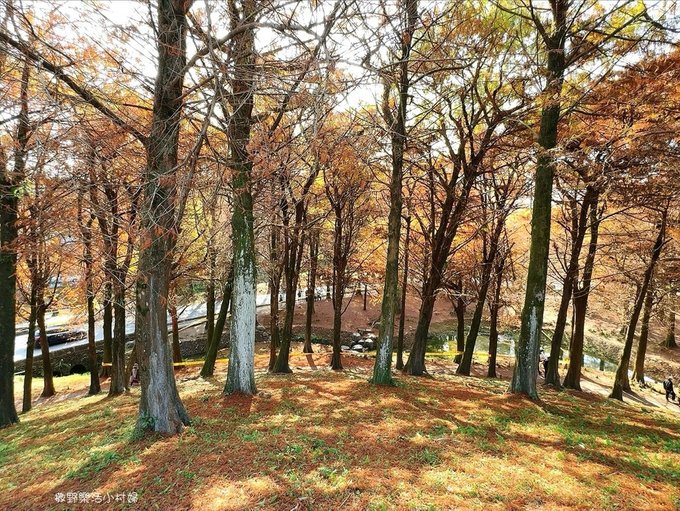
<point>323,440</point>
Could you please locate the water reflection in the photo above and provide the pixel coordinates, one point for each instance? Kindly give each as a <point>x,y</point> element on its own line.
<point>444,343</point>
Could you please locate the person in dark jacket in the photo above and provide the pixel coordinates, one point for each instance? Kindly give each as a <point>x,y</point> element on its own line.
<point>668,387</point>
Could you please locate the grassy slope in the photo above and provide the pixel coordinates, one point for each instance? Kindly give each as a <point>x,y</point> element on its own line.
<point>323,440</point>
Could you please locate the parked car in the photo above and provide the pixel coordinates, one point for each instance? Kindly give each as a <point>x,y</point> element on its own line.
<point>60,337</point>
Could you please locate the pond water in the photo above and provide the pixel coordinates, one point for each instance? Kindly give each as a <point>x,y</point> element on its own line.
<point>446,343</point>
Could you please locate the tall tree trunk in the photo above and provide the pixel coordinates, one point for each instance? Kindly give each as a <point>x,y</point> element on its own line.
<point>274,291</point>
<point>339,267</point>
<point>160,407</point>
<point>274,332</point>
<point>639,371</point>
<point>30,346</point>
<point>48,386</point>
<point>311,290</point>
<point>382,371</point>
<point>487,268</point>
<point>107,325</point>
<point>118,345</point>
<point>526,354</point>
<point>210,299</point>
<point>209,365</point>
<point>88,263</point>
<point>572,379</point>
<point>669,340</point>
<point>495,307</point>
<point>241,371</point>
<point>95,386</point>
<point>452,213</point>
<point>294,247</point>
<point>621,379</point>
<point>10,182</point>
<point>579,228</point>
<point>404,286</point>
<point>176,349</point>
<point>459,309</point>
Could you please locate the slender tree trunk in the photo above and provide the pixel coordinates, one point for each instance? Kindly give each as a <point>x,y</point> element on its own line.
<point>311,290</point>
<point>209,365</point>
<point>621,379</point>
<point>572,379</point>
<point>88,262</point>
<point>339,267</point>
<point>639,371</point>
<point>415,365</point>
<point>210,299</point>
<point>274,332</point>
<point>48,387</point>
<point>459,309</point>
<point>241,371</point>
<point>118,346</point>
<point>526,354</point>
<point>160,407</point>
<point>579,229</point>
<point>404,286</point>
<point>495,307</point>
<point>176,349</point>
<point>669,340</point>
<point>466,362</point>
<point>382,371</point>
<point>107,325</point>
<point>488,265</point>
<point>132,360</point>
<point>95,387</point>
<point>365,296</point>
<point>336,359</point>
<point>292,261</point>
<point>30,346</point>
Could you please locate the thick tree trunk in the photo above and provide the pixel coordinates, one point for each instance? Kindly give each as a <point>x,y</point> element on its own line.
<point>30,346</point>
<point>639,371</point>
<point>311,290</point>
<point>669,340</point>
<point>404,287</point>
<point>48,386</point>
<point>382,371</point>
<point>621,382</point>
<point>9,203</point>
<point>527,350</point>
<point>241,371</point>
<point>160,407</point>
<point>209,365</point>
